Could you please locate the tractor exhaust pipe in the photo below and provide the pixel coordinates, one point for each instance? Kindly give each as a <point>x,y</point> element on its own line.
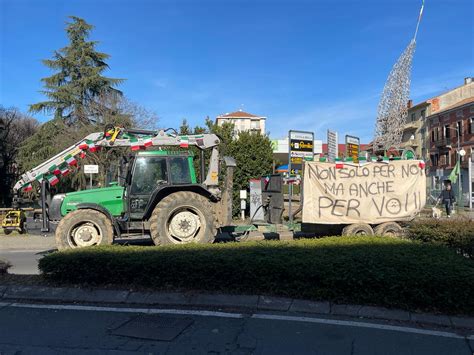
<point>228,189</point>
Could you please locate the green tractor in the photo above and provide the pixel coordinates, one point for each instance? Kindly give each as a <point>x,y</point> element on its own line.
<point>159,196</point>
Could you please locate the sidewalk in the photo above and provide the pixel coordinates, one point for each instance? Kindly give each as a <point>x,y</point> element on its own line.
<point>249,303</point>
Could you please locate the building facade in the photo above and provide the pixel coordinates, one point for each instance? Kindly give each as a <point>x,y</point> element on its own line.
<point>415,133</point>
<point>243,122</point>
<point>450,130</point>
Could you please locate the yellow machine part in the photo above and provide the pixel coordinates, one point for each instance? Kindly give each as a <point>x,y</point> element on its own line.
<point>13,220</point>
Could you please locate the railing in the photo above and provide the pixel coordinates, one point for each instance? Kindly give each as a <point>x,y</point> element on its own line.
<point>443,142</point>
<point>412,125</point>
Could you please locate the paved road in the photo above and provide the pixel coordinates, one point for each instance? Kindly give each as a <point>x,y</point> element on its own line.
<point>82,330</point>
<point>23,252</point>
<point>23,262</point>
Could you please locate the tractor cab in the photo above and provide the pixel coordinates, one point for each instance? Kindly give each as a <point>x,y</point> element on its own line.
<point>151,171</point>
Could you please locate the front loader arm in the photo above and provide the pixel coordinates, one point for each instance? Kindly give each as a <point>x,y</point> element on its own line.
<point>122,137</point>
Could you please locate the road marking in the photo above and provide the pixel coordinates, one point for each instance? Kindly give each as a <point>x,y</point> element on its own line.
<point>128,310</point>
<point>349,323</point>
<point>204,313</point>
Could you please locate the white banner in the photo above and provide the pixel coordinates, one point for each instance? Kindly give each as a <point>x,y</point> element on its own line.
<point>372,193</point>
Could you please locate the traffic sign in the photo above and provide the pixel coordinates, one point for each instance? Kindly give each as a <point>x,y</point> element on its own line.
<point>353,148</point>
<point>332,146</point>
<point>300,148</point>
<point>91,169</point>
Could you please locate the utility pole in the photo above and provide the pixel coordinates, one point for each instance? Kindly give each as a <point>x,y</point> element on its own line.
<point>461,153</point>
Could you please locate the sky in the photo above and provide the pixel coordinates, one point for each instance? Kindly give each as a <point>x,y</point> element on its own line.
<point>305,65</point>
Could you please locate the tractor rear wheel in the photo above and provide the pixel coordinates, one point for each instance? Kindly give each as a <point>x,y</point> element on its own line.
<point>183,217</point>
<point>83,228</point>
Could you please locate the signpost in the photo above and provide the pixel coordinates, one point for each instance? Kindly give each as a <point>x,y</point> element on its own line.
<point>91,169</point>
<point>333,150</point>
<point>300,148</point>
<point>470,181</point>
<point>353,148</point>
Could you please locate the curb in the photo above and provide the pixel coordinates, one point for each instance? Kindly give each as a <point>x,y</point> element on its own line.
<point>249,302</point>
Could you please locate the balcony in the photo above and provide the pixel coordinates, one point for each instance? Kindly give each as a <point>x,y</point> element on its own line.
<point>411,143</point>
<point>443,143</point>
<point>412,126</point>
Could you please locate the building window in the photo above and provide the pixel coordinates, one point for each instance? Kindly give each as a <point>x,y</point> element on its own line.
<point>470,125</point>
<point>459,128</point>
<point>423,114</point>
<point>447,133</point>
<point>413,116</point>
<point>255,124</point>
<point>432,135</point>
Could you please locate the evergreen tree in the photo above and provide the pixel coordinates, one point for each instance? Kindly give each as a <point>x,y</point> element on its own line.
<point>253,153</point>
<point>78,80</point>
<point>184,129</point>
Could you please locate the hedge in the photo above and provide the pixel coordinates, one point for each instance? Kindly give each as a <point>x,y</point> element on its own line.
<point>457,234</point>
<point>362,270</point>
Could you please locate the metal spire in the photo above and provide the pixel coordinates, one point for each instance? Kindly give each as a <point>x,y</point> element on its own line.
<point>392,110</point>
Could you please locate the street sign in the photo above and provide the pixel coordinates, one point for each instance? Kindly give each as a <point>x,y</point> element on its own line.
<point>91,169</point>
<point>300,147</point>
<point>332,146</point>
<point>353,148</point>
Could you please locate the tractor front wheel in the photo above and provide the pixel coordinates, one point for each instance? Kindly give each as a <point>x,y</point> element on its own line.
<point>183,217</point>
<point>83,228</point>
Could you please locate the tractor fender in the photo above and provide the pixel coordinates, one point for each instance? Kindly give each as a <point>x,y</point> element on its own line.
<point>97,207</point>
<point>160,194</point>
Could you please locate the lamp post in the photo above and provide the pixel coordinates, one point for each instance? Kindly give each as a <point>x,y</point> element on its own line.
<point>461,153</point>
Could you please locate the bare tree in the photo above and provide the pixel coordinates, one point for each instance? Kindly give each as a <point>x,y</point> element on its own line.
<point>15,128</point>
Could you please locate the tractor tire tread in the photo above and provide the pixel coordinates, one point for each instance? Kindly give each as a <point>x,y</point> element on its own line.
<point>159,216</point>
<point>78,215</point>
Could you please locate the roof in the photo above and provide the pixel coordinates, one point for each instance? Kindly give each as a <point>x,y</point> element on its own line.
<point>342,147</point>
<point>239,114</point>
<point>418,105</point>
<point>456,105</point>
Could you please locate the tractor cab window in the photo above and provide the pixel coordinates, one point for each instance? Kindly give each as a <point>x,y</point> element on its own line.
<point>148,174</point>
<point>179,170</point>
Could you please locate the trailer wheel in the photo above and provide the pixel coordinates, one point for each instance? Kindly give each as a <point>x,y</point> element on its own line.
<point>358,229</point>
<point>183,217</point>
<point>7,231</point>
<point>83,228</point>
<point>389,229</point>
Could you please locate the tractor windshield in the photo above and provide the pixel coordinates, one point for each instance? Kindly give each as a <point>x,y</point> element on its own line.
<point>149,172</point>
<point>179,170</point>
